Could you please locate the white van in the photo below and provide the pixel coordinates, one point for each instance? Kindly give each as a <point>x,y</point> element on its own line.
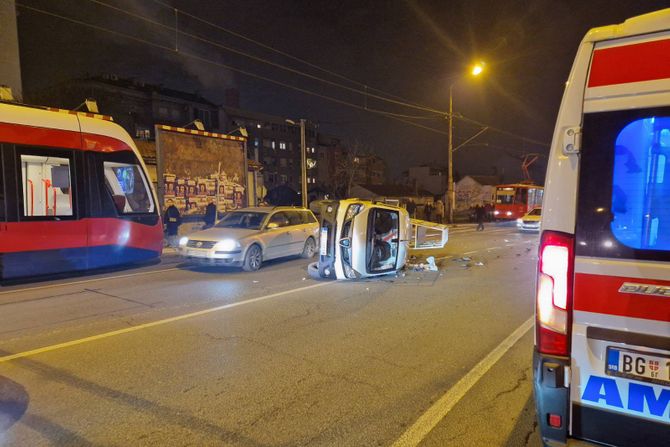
<point>602,348</point>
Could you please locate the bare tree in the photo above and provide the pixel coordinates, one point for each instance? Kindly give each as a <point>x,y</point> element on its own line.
<point>348,167</point>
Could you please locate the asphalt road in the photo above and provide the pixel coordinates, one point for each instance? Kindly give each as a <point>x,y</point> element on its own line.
<point>171,355</point>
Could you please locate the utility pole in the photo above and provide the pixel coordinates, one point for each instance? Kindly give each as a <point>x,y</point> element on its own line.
<point>303,161</point>
<point>450,179</point>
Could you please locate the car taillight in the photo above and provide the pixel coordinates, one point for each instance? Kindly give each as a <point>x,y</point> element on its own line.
<point>554,293</point>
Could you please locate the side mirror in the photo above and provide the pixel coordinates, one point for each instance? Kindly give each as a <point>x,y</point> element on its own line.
<point>345,242</point>
<point>272,226</point>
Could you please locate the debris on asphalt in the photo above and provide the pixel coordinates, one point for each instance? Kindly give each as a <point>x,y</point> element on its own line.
<point>462,259</point>
<point>479,263</point>
<point>255,281</point>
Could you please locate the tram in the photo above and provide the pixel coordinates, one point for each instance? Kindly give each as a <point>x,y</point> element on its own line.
<point>74,194</point>
<point>515,200</point>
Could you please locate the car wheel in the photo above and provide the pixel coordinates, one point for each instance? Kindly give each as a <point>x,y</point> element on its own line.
<point>309,249</point>
<point>253,259</point>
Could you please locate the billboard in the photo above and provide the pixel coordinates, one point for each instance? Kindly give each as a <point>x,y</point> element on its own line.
<point>195,168</point>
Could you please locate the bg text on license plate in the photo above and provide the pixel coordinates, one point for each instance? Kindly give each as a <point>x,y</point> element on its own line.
<point>631,364</point>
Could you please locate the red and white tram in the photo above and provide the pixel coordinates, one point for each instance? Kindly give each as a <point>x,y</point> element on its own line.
<point>515,200</point>
<point>74,194</point>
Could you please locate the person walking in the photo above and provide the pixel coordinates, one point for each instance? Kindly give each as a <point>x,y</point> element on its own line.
<point>172,223</point>
<point>480,214</point>
<point>439,211</point>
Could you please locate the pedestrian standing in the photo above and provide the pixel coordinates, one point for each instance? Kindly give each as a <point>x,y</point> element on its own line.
<point>480,214</point>
<point>427,211</point>
<point>172,223</point>
<point>439,211</point>
<point>411,208</point>
<point>210,215</point>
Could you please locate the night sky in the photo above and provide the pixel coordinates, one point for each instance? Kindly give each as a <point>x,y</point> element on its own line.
<point>408,49</point>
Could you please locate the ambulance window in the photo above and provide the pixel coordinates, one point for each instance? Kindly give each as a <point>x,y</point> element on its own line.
<point>46,185</point>
<point>640,204</point>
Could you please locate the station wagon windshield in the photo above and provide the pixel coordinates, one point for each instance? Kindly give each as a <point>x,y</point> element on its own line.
<point>241,219</point>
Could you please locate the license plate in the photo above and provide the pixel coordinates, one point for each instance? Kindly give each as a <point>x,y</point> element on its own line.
<point>324,242</point>
<point>638,365</point>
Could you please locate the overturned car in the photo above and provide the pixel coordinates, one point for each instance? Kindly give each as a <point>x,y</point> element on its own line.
<point>360,239</point>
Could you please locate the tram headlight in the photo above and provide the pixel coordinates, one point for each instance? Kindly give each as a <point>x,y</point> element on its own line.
<point>509,213</point>
<point>183,241</point>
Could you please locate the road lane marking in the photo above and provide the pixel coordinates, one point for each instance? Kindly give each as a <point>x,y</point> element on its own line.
<point>127,330</point>
<point>429,420</point>
<point>84,281</point>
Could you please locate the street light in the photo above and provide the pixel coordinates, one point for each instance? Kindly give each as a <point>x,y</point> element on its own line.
<point>477,69</point>
<point>303,159</point>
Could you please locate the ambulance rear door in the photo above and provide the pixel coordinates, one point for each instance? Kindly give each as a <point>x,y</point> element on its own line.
<point>620,352</point>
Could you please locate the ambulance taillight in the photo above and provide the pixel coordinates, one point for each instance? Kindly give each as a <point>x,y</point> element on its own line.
<point>554,293</point>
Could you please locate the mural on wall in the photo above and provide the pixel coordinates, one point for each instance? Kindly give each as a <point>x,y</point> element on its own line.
<point>198,170</point>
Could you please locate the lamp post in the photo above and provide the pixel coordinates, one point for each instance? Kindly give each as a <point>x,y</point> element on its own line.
<point>477,69</point>
<point>303,159</point>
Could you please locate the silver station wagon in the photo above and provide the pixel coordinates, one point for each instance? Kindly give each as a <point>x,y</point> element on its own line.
<point>247,237</point>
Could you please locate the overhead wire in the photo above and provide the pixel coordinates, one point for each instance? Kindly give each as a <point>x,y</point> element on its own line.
<point>437,113</point>
<point>283,53</point>
<point>400,117</point>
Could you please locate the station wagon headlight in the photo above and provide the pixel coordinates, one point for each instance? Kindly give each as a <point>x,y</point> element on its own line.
<point>227,245</point>
<point>183,241</point>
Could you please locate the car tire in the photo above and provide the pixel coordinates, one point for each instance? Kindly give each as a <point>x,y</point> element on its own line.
<point>253,259</point>
<point>309,250</point>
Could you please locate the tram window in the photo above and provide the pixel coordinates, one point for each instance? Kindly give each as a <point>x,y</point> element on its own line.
<point>46,186</point>
<point>129,188</point>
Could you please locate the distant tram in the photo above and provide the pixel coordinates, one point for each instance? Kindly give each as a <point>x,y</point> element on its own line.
<point>74,194</point>
<point>515,200</point>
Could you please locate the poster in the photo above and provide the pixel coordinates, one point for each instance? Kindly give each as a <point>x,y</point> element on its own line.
<point>199,168</point>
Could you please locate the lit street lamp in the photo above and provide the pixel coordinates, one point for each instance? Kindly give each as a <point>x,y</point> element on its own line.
<point>477,69</point>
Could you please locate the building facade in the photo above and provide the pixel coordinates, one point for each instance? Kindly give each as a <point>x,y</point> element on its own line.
<point>275,143</point>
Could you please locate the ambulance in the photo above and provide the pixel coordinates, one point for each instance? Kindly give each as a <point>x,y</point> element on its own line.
<point>602,343</point>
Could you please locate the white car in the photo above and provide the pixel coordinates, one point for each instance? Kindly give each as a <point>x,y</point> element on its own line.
<point>531,221</point>
<point>362,239</point>
<point>247,237</point>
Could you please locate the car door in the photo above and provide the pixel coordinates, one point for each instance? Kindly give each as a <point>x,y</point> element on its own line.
<point>299,231</point>
<point>278,240</point>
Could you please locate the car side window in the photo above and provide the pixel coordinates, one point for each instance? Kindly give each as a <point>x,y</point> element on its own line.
<point>280,219</point>
<point>295,218</point>
<point>307,217</point>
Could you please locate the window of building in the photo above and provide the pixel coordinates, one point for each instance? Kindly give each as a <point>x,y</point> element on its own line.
<point>267,143</point>
<point>282,163</point>
<point>163,111</point>
<point>284,178</point>
<point>290,146</point>
<point>282,145</point>
<point>46,186</point>
<point>129,188</point>
<point>274,144</point>
<point>175,114</point>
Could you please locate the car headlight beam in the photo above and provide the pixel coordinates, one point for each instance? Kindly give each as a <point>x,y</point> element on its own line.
<point>227,245</point>
<point>183,241</point>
